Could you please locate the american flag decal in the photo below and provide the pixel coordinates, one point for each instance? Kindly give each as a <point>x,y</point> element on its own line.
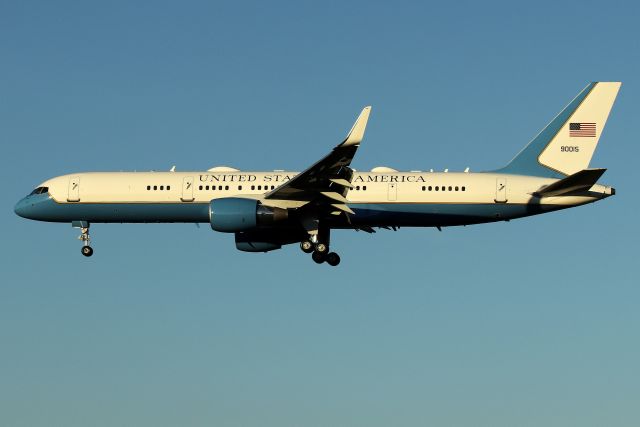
<point>582,129</point>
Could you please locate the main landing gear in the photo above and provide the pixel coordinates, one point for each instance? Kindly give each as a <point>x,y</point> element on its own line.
<point>320,252</point>
<point>86,250</point>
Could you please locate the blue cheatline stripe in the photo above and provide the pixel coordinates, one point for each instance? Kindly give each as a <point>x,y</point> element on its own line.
<point>526,162</point>
<point>43,208</point>
<point>372,214</point>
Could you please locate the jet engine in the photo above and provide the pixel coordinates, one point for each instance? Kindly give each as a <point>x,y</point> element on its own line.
<point>235,214</point>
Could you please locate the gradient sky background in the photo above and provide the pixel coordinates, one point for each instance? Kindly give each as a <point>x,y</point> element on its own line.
<point>528,323</point>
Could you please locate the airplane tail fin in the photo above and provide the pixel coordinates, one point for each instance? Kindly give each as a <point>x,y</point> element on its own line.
<point>565,146</point>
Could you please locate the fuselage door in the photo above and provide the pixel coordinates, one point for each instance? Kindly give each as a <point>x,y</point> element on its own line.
<point>74,189</point>
<point>501,190</point>
<point>187,189</point>
<point>392,193</point>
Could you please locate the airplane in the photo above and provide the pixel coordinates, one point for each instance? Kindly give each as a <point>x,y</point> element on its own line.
<point>266,210</point>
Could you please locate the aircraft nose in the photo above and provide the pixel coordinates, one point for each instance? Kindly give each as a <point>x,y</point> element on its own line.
<point>21,208</point>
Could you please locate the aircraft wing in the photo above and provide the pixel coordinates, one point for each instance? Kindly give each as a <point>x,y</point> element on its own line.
<point>329,179</point>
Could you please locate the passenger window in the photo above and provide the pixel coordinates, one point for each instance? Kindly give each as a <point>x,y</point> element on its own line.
<point>456,188</point>
<point>239,187</point>
<point>364,188</point>
<point>155,187</point>
<point>162,187</point>
<point>207,187</point>
<point>259,187</point>
<point>430,188</point>
<point>149,187</point>
<point>449,188</point>
<point>464,188</point>
<point>253,187</point>
<point>168,187</point>
<point>226,187</point>
<point>437,188</point>
<point>424,188</point>
<point>357,188</point>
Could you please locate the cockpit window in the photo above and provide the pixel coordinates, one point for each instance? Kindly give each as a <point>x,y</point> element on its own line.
<point>40,190</point>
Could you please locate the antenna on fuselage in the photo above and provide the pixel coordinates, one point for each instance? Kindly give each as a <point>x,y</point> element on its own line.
<point>173,168</point>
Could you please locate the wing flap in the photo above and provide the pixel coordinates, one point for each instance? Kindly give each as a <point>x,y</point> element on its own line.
<point>343,208</point>
<point>334,196</point>
<point>342,182</point>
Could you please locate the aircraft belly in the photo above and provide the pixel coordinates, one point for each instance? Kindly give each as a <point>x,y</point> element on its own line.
<point>433,214</point>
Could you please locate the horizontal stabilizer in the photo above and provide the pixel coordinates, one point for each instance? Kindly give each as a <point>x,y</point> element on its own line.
<point>579,181</point>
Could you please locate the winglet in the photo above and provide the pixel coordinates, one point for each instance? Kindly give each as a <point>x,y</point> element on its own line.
<point>357,131</point>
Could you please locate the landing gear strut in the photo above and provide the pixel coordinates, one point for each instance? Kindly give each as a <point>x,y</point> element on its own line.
<point>86,250</point>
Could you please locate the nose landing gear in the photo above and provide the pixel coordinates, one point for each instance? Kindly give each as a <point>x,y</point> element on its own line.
<point>84,237</point>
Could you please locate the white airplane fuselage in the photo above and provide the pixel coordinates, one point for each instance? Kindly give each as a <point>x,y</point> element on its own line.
<point>387,199</point>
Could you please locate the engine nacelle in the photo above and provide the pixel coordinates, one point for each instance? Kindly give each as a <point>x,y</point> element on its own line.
<point>235,214</point>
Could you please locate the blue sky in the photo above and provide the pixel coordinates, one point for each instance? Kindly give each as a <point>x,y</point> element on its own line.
<point>532,322</point>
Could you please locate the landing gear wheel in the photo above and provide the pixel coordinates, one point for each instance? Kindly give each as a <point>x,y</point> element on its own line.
<point>318,257</point>
<point>322,248</point>
<point>333,259</point>
<point>87,251</point>
<point>306,246</point>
